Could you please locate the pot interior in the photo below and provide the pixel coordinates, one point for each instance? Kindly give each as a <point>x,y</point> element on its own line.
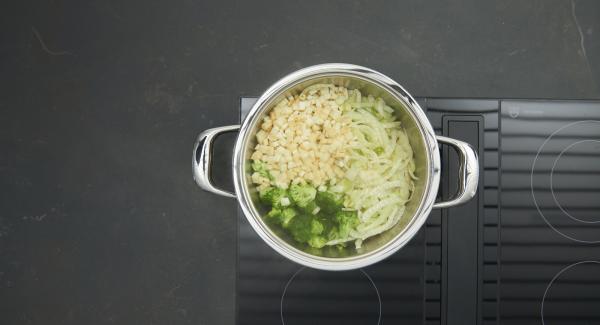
<point>415,134</point>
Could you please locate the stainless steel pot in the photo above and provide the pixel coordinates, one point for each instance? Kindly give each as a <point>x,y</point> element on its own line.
<point>422,139</point>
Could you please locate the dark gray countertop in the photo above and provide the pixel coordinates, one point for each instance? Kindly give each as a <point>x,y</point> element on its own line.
<point>100,220</point>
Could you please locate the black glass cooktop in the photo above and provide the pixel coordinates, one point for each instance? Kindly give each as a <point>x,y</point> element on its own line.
<point>525,250</point>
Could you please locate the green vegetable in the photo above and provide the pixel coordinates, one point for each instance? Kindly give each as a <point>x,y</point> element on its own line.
<point>316,228</point>
<point>261,168</point>
<point>300,228</point>
<point>307,229</point>
<point>317,242</point>
<point>272,197</point>
<point>302,195</point>
<point>286,216</point>
<point>281,217</point>
<point>274,215</point>
<point>309,208</point>
<point>347,220</point>
<point>329,202</point>
<point>343,223</point>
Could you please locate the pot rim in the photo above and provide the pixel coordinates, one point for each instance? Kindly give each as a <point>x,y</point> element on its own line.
<point>431,185</point>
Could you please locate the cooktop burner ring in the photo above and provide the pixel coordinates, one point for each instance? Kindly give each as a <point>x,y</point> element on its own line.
<point>532,185</point>
<point>563,270</point>
<point>285,289</point>
<point>552,181</point>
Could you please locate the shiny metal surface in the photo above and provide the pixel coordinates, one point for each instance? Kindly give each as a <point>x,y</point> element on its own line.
<point>421,137</point>
<point>202,159</point>
<point>468,176</point>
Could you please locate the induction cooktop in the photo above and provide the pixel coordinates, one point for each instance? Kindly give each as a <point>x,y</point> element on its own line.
<point>525,250</point>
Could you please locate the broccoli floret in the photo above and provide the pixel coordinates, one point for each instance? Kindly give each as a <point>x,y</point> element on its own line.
<point>346,220</point>
<point>281,217</point>
<point>328,202</point>
<point>286,216</point>
<point>302,195</point>
<point>272,197</point>
<point>309,208</point>
<point>317,242</point>
<point>274,215</point>
<point>306,229</point>
<point>300,228</point>
<point>261,168</point>
<point>316,228</point>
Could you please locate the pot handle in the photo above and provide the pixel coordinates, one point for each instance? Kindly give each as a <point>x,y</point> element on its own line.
<point>468,176</point>
<point>202,158</point>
